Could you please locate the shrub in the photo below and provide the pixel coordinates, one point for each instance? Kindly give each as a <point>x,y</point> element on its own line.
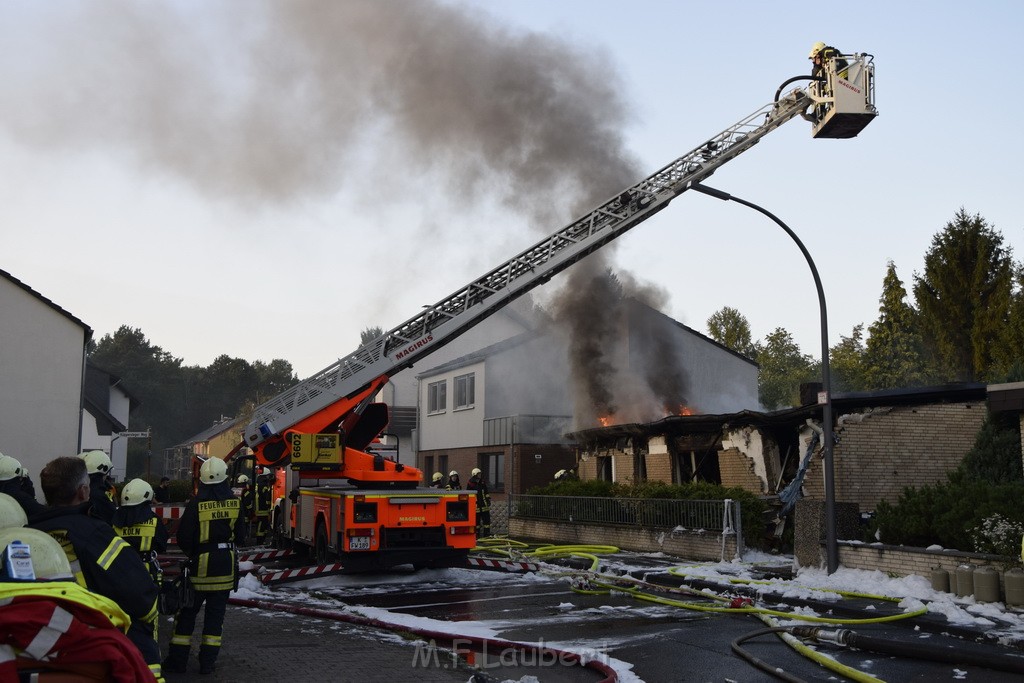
<point>997,535</point>
<point>752,508</point>
<point>947,514</point>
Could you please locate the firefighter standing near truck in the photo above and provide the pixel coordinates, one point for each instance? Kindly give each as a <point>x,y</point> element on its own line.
<point>263,494</point>
<point>207,534</point>
<point>483,502</point>
<point>136,523</point>
<point>243,489</point>
<point>454,483</point>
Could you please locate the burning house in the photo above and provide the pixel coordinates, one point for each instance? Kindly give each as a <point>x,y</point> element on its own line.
<point>508,406</point>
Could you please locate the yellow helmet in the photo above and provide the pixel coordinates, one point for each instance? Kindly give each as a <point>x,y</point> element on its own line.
<point>136,491</point>
<point>815,49</point>
<point>9,468</point>
<point>213,471</point>
<point>475,471</point>
<point>437,477</point>
<point>48,559</point>
<point>96,461</point>
<point>11,512</point>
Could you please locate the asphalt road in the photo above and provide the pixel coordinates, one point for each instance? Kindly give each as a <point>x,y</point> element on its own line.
<point>660,642</point>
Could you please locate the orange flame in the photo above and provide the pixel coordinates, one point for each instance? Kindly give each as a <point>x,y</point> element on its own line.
<point>605,421</point>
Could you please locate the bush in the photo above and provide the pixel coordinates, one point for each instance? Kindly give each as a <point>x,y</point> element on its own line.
<point>752,508</point>
<point>947,514</point>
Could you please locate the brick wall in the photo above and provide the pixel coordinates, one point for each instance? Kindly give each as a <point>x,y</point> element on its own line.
<point>687,544</point>
<point>659,467</point>
<point>881,452</point>
<point>736,469</point>
<point>903,560</point>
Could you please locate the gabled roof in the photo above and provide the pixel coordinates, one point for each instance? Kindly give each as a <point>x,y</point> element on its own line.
<point>15,281</point>
<point>209,433</point>
<point>701,336</point>
<point>522,338</point>
<point>106,424</point>
<point>480,354</point>
<point>97,378</point>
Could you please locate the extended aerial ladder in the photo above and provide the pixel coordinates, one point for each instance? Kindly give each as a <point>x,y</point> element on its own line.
<point>337,396</point>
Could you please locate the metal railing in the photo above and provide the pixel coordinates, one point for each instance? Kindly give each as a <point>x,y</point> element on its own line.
<point>702,516</point>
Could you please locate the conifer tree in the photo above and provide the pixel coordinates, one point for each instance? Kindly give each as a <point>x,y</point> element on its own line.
<point>963,297</point>
<point>894,355</point>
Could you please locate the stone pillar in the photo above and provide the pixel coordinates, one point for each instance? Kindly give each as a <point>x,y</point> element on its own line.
<point>809,529</point>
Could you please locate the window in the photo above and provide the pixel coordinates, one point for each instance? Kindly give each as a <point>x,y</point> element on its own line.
<point>437,397</point>
<point>493,467</point>
<point>442,464</point>
<point>428,468</point>
<point>465,391</point>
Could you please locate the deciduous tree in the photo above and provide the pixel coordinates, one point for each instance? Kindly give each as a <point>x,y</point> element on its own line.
<point>783,369</point>
<point>729,327</point>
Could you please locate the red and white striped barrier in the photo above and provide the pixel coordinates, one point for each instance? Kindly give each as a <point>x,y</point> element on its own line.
<point>265,555</point>
<point>301,573</point>
<point>507,565</point>
<point>169,511</point>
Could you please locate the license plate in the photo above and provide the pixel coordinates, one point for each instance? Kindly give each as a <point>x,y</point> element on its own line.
<point>359,543</point>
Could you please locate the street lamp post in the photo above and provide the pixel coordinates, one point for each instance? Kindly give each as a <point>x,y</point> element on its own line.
<point>831,549</point>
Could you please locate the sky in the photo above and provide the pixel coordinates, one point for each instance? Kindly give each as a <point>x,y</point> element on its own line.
<point>266,180</point>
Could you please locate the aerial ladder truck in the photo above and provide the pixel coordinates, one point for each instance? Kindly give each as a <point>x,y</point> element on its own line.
<point>341,500</point>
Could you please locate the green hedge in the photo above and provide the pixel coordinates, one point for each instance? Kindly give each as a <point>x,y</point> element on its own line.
<point>752,508</point>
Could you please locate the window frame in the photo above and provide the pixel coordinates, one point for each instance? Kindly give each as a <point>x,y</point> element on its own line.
<point>437,397</point>
<point>467,384</point>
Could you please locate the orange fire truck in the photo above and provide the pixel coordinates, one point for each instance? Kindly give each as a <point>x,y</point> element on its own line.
<point>339,498</point>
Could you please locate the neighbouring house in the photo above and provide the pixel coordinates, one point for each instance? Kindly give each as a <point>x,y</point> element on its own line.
<point>107,407</point>
<point>42,376</point>
<point>507,407</point>
<point>214,442</point>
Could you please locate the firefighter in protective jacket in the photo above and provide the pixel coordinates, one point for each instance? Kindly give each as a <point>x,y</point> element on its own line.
<point>136,523</point>
<point>207,533</point>
<point>101,485</point>
<point>483,502</point>
<point>100,560</point>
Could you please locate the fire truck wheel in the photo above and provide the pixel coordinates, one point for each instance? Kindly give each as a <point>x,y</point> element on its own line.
<point>320,545</point>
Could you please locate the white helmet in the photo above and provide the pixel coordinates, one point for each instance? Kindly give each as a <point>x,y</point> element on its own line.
<point>48,558</point>
<point>242,479</point>
<point>453,473</point>
<point>213,471</point>
<point>96,461</point>
<point>11,512</point>
<point>9,468</point>
<point>475,471</point>
<point>136,491</point>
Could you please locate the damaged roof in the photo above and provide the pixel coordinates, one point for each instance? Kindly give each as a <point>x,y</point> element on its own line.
<point>788,417</point>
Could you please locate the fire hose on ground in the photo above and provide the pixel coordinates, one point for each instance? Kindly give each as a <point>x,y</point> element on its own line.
<point>438,636</point>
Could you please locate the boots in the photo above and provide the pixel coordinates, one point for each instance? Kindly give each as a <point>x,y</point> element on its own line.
<point>176,661</point>
<point>208,659</point>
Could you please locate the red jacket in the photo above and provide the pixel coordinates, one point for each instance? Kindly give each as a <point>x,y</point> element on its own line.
<point>88,642</point>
